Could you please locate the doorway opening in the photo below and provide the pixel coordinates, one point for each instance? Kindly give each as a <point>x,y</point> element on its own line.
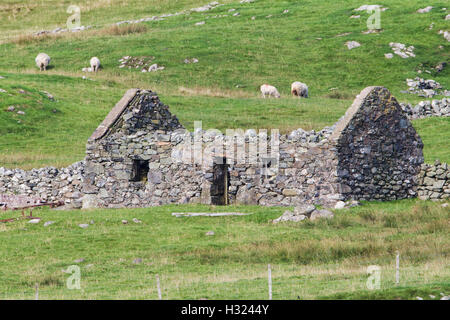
<point>220,184</point>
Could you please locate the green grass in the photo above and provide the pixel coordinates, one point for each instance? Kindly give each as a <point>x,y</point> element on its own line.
<point>236,55</point>
<point>309,260</point>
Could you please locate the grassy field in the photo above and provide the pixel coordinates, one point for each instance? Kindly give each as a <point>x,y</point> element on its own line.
<point>311,260</point>
<point>236,55</point>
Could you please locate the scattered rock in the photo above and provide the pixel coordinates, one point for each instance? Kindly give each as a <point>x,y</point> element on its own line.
<point>206,7</point>
<point>124,222</point>
<point>210,233</point>
<point>3,91</point>
<point>34,221</point>
<point>352,44</point>
<point>401,50</point>
<point>136,220</point>
<point>370,7</point>
<point>83,225</point>
<point>304,212</point>
<point>48,223</point>
<point>419,298</point>
<point>11,109</point>
<point>142,62</point>
<point>22,113</point>
<point>137,261</point>
<point>155,67</point>
<point>444,205</point>
<point>79,260</point>
<point>425,88</point>
<point>340,205</point>
<point>305,209</point>
<point>388,55</point>
<point>200,23</point>
<point>188,61</point>
<point>49,96</point>
<point>441,66</point>
<point>355,17</point>
<point>446,34</point>
<point>319,214</point>
<point>425,10</point>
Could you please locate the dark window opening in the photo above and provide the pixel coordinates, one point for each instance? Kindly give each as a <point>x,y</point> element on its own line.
<point>220,185</point>
<point>140,171</point>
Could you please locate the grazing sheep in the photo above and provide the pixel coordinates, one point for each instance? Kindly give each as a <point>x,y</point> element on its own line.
<point>268,90</point>
<point>299,89</point>
<point>42,61</point>
<point>95,64</point>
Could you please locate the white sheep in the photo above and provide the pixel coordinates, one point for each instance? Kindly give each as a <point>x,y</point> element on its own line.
<point>299,89</point>
<point>42,61</point>
<point>268,90</point>
<point>95,64</point>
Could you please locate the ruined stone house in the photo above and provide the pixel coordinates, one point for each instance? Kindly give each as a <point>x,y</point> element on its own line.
<point>136,158</point>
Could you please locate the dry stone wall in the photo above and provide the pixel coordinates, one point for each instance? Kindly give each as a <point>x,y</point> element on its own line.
<point>434,181</point>
<point>142,156</point>
<point>379,151</point>
<point>47,184</point>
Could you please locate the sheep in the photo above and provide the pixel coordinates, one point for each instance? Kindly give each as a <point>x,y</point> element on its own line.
<point>299,89</point>
<point>268,90</point>
<point>42,61</point>
<point>95,64</point>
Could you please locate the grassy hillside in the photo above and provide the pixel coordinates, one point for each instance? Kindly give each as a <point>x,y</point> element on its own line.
<point>236,55</point>
<point>263,44</point>
<point>310,260</point>
<point>320,259</point>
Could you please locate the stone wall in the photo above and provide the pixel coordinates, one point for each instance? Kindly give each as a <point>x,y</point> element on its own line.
<point>379,151</point>
<point>424,109</point>
<point>139,157</point>
<point>434,181</point>
<point>125,140</point>
<point>47,184</point>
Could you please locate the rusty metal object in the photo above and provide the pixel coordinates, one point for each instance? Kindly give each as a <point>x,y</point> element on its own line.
<point>24,206</point>
<point>17,202</point>
<point>23,217</point>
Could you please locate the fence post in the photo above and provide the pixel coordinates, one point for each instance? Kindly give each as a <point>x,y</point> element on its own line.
<point>397,269</point>
<point>36,293</point>
<point>270,281</point>
<point>159,287</point>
